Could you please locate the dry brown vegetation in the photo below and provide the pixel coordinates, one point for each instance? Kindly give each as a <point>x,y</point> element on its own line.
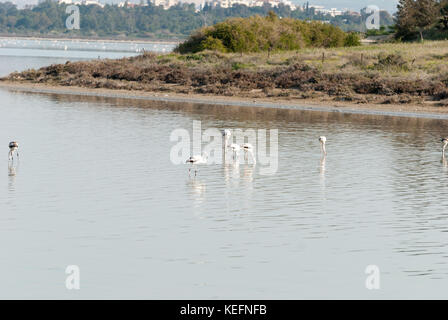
<point>386,73</point>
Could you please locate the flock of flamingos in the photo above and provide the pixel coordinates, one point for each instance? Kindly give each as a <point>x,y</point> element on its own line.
<point>249,150</point>
<point>235,148</point>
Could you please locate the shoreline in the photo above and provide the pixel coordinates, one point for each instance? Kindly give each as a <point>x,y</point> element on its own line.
<point>395,110</point>
<point>80,39</point>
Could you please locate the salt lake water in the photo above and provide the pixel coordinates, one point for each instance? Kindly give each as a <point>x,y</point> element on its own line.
<point>95,188</point>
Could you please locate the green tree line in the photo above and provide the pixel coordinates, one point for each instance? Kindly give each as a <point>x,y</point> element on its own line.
<point>48,18</point>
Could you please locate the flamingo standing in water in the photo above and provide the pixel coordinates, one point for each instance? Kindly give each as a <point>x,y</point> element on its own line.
<point>196,160</point>
<point>445,144</point>
<point>226,134</point>
<point>323,141</point>
<point>248,149</point>
<point>13,148</point>
<point>236,151</point>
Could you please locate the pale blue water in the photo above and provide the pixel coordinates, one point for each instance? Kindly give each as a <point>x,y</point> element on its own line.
<point>95,188</point>
<point>22,54</point>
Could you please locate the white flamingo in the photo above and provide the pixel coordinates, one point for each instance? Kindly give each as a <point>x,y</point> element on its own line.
<point>445,144</point>
<point>248,149</point>
<point>236,151</point>
<point>196,160</point>
<point>13,148</point>
<point>323,141</point>
<point>226,134</point>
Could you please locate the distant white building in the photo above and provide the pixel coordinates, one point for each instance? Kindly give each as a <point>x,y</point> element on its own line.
<point>81,2</point>
<point>332,12</point>
<point>165,3</point>
<point>224,3</point>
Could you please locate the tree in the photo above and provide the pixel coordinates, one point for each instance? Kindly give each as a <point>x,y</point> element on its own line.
<point>444,12</point>
<point>405,19</point>
<point>416,16</point>
<point>426,13</point>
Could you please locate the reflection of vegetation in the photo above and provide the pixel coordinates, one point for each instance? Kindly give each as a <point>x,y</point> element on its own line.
<point>255,34</point>
<point>48,18</point>
<point>387,73</point>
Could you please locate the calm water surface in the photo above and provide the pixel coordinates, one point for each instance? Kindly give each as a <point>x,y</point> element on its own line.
<point>95,188</point>
<point>22,54</point>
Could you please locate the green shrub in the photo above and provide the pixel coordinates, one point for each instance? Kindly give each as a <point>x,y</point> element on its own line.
<point>213,44</point>
<point>352,40</point>
<point>256,34</point>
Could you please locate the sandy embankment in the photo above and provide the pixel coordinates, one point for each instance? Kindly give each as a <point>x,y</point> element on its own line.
<point>424,110</point>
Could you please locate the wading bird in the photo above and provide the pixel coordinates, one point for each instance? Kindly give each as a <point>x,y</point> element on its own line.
<point>445,144</point>
<point>13,148</point>
<point>236,151</point>
<point>323,141</point>
<point>248,149</point>
<point>196,160</point>
<point>226,134</point>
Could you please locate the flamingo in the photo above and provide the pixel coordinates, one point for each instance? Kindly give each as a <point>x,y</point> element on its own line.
<point>13,147</point>
<point>236,151</point>
<point>195,160</point>
<point>226,134</point>
<point>323,141</point>
<point>445,144</point>
<point>248,149</point>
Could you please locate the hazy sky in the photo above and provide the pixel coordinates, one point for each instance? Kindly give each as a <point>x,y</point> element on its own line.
<point>389,5</point>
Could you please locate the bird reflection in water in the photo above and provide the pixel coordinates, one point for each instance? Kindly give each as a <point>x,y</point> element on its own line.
<point>444,162</point>
<point>231,172</point>
<point>248,173</point>
<point>322,169</point>
<point>323,162</point>
<point>12,173</point>
<point>197,189</point>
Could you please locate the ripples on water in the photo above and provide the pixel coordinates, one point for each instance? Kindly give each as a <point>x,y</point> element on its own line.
<point>95,187</point>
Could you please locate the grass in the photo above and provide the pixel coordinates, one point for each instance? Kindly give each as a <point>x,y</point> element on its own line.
<point>380,73</point>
